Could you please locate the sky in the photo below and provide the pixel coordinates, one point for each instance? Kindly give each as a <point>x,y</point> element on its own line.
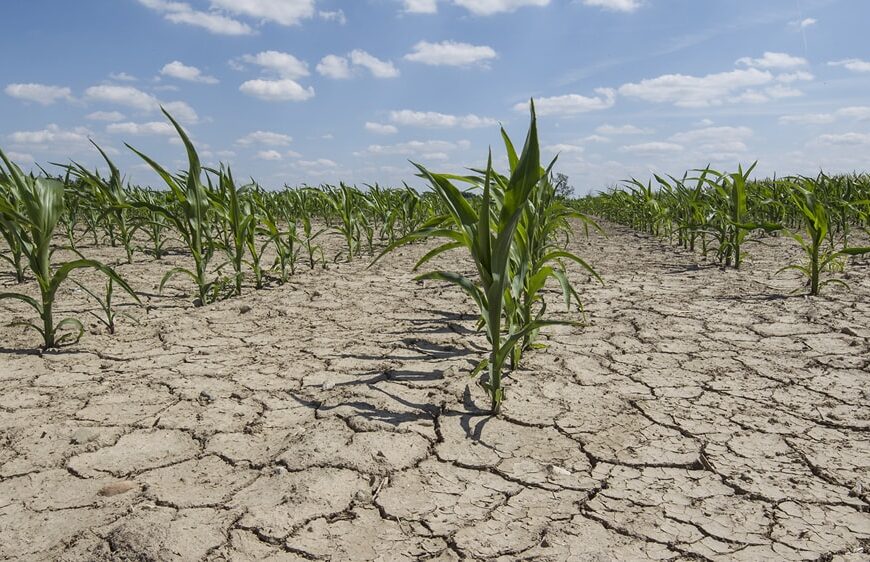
<point>319,91</point>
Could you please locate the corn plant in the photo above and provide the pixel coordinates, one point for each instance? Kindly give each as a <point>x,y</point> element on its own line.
<point>235,222</point>
<point>36,205</point>
<point>11,229</point>
<point>190,216</point>
<point>488,234</point>
<point>109,313</point>
<point>110,195</point>
<point>344,203</point>
<point>806,197</point>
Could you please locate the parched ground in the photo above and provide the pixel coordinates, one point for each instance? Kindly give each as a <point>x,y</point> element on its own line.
<point>701,415</point>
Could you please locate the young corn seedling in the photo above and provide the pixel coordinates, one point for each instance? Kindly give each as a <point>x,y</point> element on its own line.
<point>235,222</point>
<point>109,313</point>
<point>805,196</point>
<point>190,216</point>
<point>110,195</point>
<point>37,206</point>
<point>344,204</point>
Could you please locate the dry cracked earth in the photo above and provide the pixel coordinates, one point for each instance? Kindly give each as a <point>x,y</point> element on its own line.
<point>700,414</point>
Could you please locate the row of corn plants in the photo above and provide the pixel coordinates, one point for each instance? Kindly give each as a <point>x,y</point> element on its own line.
<point>232,233</point>
<point>718,213</point>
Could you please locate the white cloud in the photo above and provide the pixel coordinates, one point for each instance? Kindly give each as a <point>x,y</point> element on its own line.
<point>19,157</point>
<point>614,5</point>
<point>378,68</point>
<point>572,104</point>
<point>123,77</point>
<point>178,69</point>
<point>652,148</point>
<point>150,128</point>
<point>773,60</point>
<point>725,141</point>
<point>807,119</point>
<point>804,23</point>
<point>182,112</point>
<point>268,138</point>
<point>339,68</point>
<point>268,155</point>
<point>381,128</point>
<point>432,119</point>
<point>181,12</point>
<point>334,15</point>
<point>277,90</point>
<point>861,113</point>
<point>857,113</point>
<point>105,116</point>
<point>565,148</point>
<point>844,139</point>
<point>450,53</point>
<point>319,163</point>
<point>334,66</point>
<point>123,95</point>
<point>418,148</point>
<point>855,65</point>
<point>489,7</point>
<point>607,129</point>
<point>789,77</point>
<point>283,65</point>
<point>421,6</point>
<point>283,12</point>
<point>52,134</point>
<point>40,93</point>
<point>696,91</point>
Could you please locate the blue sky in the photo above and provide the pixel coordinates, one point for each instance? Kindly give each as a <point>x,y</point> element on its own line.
<point>312,91</point>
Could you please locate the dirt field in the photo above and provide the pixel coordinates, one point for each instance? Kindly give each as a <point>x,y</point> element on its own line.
<point>701,415</point>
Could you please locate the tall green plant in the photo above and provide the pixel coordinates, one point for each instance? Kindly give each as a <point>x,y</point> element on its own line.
<point>36,208</point>
<point>189,215</point>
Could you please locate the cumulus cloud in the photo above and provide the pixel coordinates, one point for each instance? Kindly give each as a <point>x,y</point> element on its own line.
<point>855,65</point>
<point>378,67</point>
<point>127,96</point>
<point>268,155</point>
<point>418,148</point>
<point>214,22</point>
<point>421,6</point>
<point>283,65</point>
<point>268,138</point>
<point>656,147</point>
<point>451,53</point>
<point>339,68</point>
<point>572,104</point>
<point>283,12</point>
<point>110,116</point>
<point>333,15</point>
<point>490,7</point>
<point>380,128</point>
<point>334,66</point>
<point>52,134</point>
<point>277,90</point>
<point>696,91</point>
<point>177,69</point>
<point>844,139</point>
<point>773,60</point>
<point>614,5</point>
<point>432,119</point>
<point>39,93</point>
<point>607,129</point>
<point>855,113</point>
<point>138,129</point>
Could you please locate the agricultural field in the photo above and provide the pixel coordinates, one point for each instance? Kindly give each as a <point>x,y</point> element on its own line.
<point>485,370</point>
